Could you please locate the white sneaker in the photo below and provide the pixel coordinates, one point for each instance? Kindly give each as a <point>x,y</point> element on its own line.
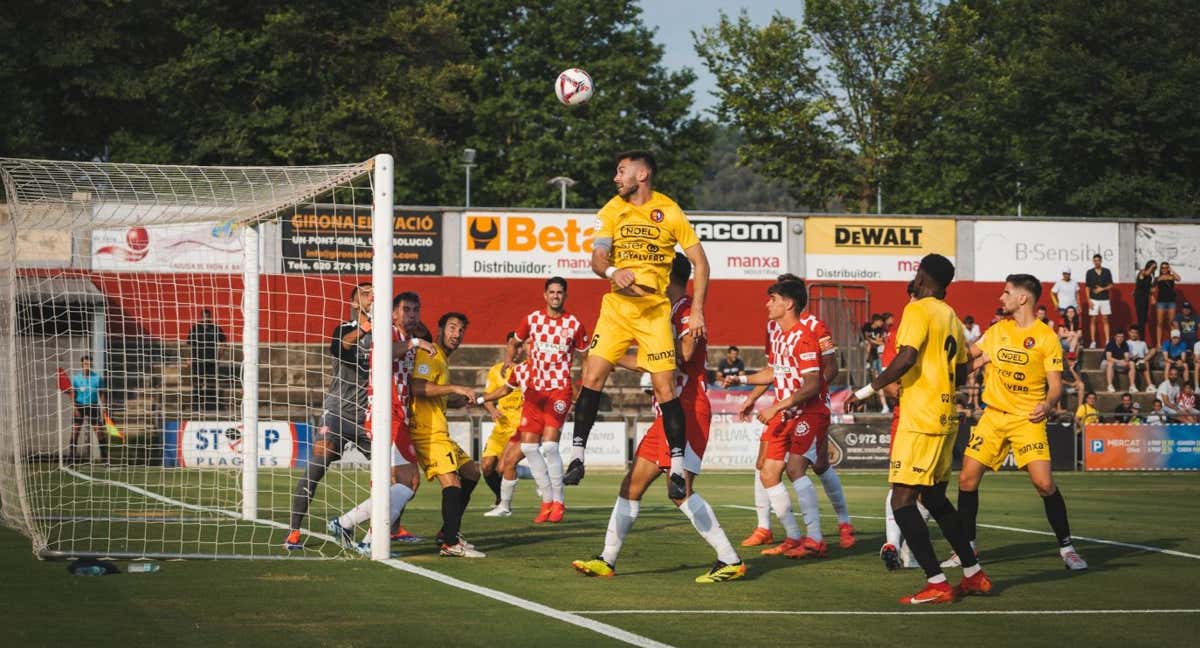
<point>885,410</point>
<point>952,561</point>
<point>499,511</point>
<point>1074,561</point>
<point>1111,388</point>
<point>461,550</point>
<point>1092,345</point>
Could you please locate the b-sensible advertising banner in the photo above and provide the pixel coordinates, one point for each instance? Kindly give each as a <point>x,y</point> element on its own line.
<point>187,247</point>
<point>1044,249</point>
<point>338,239</point>
<point>545,244</point>
<point>1117,446</point>
<point>219,444</point>
<point>1178,245</point>
<point>873,249</point>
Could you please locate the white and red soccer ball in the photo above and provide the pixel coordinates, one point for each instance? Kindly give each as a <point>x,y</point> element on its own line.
<point>574,87</point>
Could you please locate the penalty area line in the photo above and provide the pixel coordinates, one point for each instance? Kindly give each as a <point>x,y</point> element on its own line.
<point>893,612</point>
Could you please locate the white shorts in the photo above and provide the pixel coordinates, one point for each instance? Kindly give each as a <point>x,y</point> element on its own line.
<point>1099,307</point>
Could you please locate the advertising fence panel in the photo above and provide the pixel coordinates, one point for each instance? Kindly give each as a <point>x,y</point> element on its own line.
<point>873,249</point>
<point>1117,446</point>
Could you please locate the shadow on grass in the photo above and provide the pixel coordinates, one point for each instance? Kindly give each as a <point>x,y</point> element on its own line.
<point>1100,557</point>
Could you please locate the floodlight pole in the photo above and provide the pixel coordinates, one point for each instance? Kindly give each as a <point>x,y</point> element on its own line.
<point>562,182</point>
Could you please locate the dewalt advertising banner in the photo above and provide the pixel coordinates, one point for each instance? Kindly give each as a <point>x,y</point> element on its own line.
<point>854,248</point>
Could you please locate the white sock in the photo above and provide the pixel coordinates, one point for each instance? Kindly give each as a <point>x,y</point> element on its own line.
<point>837,497</point>
<point>356,515</point>
<point>781,503</point>
<point>507,487</point>
<point>972,570</point>
<point>537,466</point>
<point>762,503</point>
<point>577,453</point>
<point>701,514</point>
<point>806,494</point>
<point>624,514</point>
<point>399,496</point>
<point>1062,551</point>
<point>940,578</point>
<point>891,529</point>
<point>554,468</point>
<point>677,465</point>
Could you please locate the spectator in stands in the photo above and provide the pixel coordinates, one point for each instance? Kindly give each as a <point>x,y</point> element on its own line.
<point>1168,392</point>
<point>1187,321</point>
<point>88,389</point>
<point>997,317</point>
<point>1124,411</point>
<point>1116,359</point>
<point>731,364</point>
<point>1141,355</point>
<point>1142,289</point>
<point>1069,332</point>
<point>1156,416</point>
<point>1187,412</point>
<point>1087,413</point>
<point>1099,282</point>
<point>1164,297</point>
<point>1065,293</point>
<point>205,340</point>
<point>1175,354</point>
<point>971,330</point>
<point>1044,318</point>
<point>874,333</point>
<point>1136,418</point>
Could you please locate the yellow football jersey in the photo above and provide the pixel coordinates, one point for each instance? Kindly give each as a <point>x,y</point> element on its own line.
<point>644,237</point>
<point>1015,379</point>
<point>429,414</point>
<point>509,405</point>
<point>927,390</point>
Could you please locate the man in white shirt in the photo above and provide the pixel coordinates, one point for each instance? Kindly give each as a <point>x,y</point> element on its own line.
<point>971,330</point>
<point>1140,353</point>
<point>1168,392</point>
<point>1065,293</point>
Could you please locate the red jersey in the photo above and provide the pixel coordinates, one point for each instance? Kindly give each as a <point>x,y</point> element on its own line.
<point>519,377</point>
<point>555,339</point>
<point>889,348</point>
<point>792,354</point>
<point>401,370</point>
<point>692,376</point>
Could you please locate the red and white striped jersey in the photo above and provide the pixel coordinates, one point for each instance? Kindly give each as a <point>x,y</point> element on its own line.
<point>520,376</point>
<point>794,355</point>
<point>401,370</point>
<point>554,343</point>
<point>827,347</point>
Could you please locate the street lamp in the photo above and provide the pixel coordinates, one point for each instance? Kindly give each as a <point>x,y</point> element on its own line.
<point>563,182</point>
<point>468,161</point>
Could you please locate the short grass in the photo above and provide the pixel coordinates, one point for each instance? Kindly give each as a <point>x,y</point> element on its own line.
<point>357,602</point>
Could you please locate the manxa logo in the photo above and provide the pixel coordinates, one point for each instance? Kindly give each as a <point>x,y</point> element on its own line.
<point>739,231</point>
<point>877,236</point>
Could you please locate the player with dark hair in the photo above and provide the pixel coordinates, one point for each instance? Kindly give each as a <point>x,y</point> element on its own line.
<point>1023,383</point>
<point>502,451</point>
<point>636,233</point>
<point>554,336</point>
<point>437,453</point>
<point>653,454</point>
<point>931,359</point>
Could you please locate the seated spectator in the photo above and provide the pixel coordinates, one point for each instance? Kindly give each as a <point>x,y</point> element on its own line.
<point>1168,392</point>
<point>1116,358</point>
<point>1124,411</point>
<point>1141,355</point>
<point>1087,413</point>
<point>1175,354</point>
<point>1187,412</point>
<point>998,316</point>
<point>1136,418</point>
<point>1044,318</point>
<point>1156,416</point>
<point>731,364</point>
<point>1187,321</point>
<point>1073,381</point>
<point>971,330</point>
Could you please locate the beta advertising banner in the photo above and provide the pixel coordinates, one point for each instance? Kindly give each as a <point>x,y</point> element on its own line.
<point>605,449</point>
<point>187,247</point>
<point>1044,249</point>
<point>545,244</point>
<point>873,249</point>
<point>338,239</point>
<point>218,444</point>
<point>1117,446</point>
<point>1177,244</point>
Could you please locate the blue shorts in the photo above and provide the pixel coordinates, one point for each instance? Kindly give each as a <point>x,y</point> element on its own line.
<point>1165,305</point>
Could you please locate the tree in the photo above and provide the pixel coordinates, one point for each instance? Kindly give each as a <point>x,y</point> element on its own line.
<point>728,185</point>
<point>524,136</point>
<point>813,99</point>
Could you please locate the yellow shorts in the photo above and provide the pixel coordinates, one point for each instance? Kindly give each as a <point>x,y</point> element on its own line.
<point>998,432</point>
<point>437,453</point>
<point>501,433</point>
<point>920,459</point>
<point>644,320</point>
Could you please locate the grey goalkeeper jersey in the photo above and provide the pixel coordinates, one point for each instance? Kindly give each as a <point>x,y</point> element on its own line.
<point>347,395</point>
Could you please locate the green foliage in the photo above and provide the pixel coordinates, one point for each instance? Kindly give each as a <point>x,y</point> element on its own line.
<point>728,185</point>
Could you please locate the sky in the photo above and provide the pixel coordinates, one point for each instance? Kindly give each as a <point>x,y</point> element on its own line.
<point>675,20</point>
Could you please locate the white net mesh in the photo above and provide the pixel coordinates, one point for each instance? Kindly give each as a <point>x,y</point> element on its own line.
<point>141,268</point>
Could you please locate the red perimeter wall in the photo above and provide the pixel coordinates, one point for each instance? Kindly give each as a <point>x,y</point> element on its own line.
<point>300,308</point>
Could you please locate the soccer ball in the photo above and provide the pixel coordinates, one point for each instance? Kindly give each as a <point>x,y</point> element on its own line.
<point>574,87</point>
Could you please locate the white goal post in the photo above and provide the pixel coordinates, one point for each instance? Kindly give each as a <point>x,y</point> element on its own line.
<point>163,374</point>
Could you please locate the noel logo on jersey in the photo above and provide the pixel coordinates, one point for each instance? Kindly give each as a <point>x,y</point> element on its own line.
<point>1028,343</point>
<point>1015,357</point>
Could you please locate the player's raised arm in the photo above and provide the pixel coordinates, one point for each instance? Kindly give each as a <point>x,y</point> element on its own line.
<point>699,259</point>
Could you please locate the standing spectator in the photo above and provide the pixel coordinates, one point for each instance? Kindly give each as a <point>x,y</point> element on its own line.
<point>1065,293</point>
<point>1156,416</point>
<point>1087,413</point>
<point>205,340</point>
<point>874,335</point>
<point>1164,297</point>
<point>1142,289</point>
<point>1186,321</point>
<point>971,330</point>
<point>1099,282</point>
<point>1124,411</point>
<point>88,387</point>
<point>1168,392</point>
<point>731,364</point>
<point>1116,358</point>
<point>1175,353</point>
<point>1141,355</point>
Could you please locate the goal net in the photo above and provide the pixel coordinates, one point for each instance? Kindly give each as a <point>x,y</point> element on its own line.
<point>165,341</point>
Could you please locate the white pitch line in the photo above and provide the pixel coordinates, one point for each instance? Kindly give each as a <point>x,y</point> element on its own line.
<point>1115,543</point>
<point>602,629</point>
<point>893,612</point>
